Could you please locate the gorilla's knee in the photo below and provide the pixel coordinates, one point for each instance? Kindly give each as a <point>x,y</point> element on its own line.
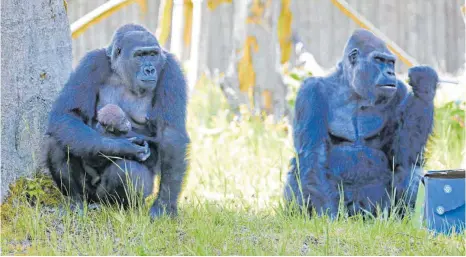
<point>125,180</point>
<point>63,167</point>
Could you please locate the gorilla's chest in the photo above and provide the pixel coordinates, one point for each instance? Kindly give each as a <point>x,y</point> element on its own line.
<point>136,108</point>
<point>351,123</point>
<point>358,137</point>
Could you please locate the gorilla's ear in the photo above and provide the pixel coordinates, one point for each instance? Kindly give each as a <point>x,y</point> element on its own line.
<point>108,51</point>
<point>353,56</point>
<point>117,51</point>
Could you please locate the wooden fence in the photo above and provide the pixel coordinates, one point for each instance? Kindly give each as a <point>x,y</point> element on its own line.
<point>432,31</point>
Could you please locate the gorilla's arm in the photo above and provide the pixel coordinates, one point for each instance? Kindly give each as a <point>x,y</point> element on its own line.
<point>416,121</point>
<point>169,112</point>
<point>311,139</point>
<point>171,96</point>
<point>75,107</point>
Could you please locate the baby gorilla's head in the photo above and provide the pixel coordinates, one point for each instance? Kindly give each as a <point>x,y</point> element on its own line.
<point>113,119</point>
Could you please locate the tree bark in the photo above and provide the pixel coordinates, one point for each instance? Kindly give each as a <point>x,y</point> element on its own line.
<point>36,61</point>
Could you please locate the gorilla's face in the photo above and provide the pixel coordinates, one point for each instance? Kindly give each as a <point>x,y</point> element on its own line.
<point>139,61</point>
<point>371,75</point>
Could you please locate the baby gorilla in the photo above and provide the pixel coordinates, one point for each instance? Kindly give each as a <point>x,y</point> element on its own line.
<point>112,122</point>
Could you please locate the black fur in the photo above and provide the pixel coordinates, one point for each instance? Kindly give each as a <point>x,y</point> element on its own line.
<point>136,74</point>
<point>350,126</point>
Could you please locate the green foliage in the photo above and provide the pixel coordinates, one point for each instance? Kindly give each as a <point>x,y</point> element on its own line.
<point>446,146</point>
<point>39,189</point>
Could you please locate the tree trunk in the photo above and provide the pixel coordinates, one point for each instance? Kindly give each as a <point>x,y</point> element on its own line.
<point>36,62</point>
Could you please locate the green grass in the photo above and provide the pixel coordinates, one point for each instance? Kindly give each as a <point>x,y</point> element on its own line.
<point>231,202</point>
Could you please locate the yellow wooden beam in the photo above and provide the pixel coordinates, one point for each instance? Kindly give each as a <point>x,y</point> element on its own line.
<point>284,31</point>
<point>95,16</point>
<point>165,21</point>
<point>188,22</point>
<point>246,73</point>
<point>345,8</point>
<point>268,100</point>
<point>212,4</point>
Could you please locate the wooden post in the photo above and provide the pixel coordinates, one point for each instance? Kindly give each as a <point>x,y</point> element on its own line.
<point>176,45</point>
<point>195,42</point>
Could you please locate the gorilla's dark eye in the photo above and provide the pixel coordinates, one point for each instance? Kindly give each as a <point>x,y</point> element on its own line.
<point>391,62</point>
<point>379,59</point>
<point>118,51</point>
<point>154,53</point>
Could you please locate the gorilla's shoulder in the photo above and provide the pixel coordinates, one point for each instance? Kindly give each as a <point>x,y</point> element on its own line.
<point>95,61</point>
<point>311,93</point>
<point>94,57</point>
<point>312,85</point>
<point>93,69</point>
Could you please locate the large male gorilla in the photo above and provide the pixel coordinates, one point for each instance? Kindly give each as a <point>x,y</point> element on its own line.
<point>147,83</point>
<point>361,132</point>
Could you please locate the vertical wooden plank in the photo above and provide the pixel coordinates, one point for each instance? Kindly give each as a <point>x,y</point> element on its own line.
<point>100,33</point>
<point>384,16</point>
<point>81,42</point>
<point>324,36</point>
<point>404,25</point>
<point>369,10</point>
<point>445,54</point>
<point>312,23</point>
<point>395,32</point>
<point>453,61</point>
<point>420,25</point>
<point>338,31</point>
<point>411,35</point>
<point>461,31</point>
<point>394,26</point>
<point>112,24</point>
<point>350,27</point>
<point>439,16</point>
<point>332,51</point>
<point>433,54</point>
<point>205,34</point>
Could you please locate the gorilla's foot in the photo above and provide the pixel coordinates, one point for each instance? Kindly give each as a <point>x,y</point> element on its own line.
<point>159,210</point>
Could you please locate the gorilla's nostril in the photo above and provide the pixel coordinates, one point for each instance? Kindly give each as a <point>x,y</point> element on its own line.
<point>149,70</point>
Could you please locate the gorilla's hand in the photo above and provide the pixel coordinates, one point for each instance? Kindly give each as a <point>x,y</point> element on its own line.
<point>423,80</point>
<point>141,142</point>
<point>131,147</point>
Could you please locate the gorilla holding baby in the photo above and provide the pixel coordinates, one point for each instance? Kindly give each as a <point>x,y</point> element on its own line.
<point>147,83</point>
<point>361,132</point>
